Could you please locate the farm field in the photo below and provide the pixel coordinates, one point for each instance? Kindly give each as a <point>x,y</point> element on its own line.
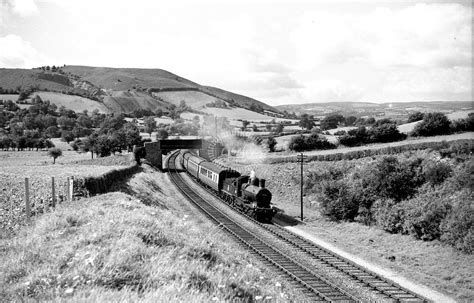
<point>9,97</point>
<point>38,167</point>
<point>195,99</point>
<point>75,103</point>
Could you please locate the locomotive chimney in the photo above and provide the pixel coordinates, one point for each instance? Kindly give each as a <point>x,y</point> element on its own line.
<point>262,183</point>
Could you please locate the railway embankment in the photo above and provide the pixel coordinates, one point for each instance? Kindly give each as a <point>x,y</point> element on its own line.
<point>140,244</point>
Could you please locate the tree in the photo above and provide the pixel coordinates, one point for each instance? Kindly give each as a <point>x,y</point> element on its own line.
<point>245,123</point>
<point>387,132</point>
<point>55,153</point>
<point>271,143</point>
<point>350,120</point>
<point>433,124</point>
<point>159,112</point>
<point>67,136</point>
<point>416,116</point>
<point>161,134</point>
<point>331,121</point>
<point>306,121</point>
<point>150,125</point>
<point>279,128</point>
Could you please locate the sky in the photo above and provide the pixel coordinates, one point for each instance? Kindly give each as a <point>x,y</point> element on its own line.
<point>279,52</point>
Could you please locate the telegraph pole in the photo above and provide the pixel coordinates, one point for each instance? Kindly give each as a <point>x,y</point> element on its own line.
<point>301,159</point>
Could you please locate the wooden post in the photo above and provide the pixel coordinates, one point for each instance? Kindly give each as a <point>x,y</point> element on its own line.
<point>67,189</point>
<point>27,199</point>
<point>53,193</point>
<point>71,188</point>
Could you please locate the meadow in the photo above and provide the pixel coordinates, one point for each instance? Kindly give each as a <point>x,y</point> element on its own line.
<point>38,167</point>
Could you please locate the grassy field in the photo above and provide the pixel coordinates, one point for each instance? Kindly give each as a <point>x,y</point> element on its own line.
<point>9,97</point>
<point>76,103</point>
<point>195,99</point>
<point>38,167</point>
<point>117,247</point>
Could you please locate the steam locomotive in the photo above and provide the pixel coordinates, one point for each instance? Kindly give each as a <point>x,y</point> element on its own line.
<point>247,193</point>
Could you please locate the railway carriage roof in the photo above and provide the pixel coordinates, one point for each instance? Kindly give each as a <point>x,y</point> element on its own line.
<point>193,158</point>
<point>219,169</point>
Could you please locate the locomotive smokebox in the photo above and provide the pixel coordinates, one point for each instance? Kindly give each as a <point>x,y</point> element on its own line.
<point>262,183</point>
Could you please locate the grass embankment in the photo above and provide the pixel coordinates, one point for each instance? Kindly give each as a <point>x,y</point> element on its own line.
<point>113,247</point>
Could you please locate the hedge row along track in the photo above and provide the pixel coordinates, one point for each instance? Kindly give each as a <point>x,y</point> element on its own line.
<point>315,287</point>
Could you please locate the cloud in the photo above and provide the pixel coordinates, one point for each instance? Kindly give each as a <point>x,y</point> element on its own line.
<point>23,8</point>
<point>18,53</point>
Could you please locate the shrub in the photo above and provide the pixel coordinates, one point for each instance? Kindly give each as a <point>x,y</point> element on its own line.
<point>436,171</point>
<point>433,124</point>
<point>424,214</point>
<point>393,179</point>
<point>457,228</point>
<point>314,141</point>
<point>416,116</point>
<point>388,215</point>
<point>338,201</point>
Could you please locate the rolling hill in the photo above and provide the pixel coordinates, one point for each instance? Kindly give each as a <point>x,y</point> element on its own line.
<point>121,90</point>
<point>382,110</point>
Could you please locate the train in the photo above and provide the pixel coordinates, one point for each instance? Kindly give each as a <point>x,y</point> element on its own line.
<point>244,192</point>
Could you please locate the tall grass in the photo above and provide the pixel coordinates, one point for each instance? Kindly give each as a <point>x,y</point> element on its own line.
<point>113,248</point>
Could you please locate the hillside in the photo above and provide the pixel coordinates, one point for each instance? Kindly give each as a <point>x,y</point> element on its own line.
<point>381,110</point>
<point>122,89</point>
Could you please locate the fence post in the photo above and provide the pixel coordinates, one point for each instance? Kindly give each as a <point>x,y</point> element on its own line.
<point>53,193</point>
<point>27,199</point>
<point>67,189</point>
<point>71,188</point>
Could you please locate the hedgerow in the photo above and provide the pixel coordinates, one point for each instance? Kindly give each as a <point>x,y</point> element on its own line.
<point>446,149</point>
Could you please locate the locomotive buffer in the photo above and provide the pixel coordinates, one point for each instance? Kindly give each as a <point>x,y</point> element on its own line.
<point>301,158</point>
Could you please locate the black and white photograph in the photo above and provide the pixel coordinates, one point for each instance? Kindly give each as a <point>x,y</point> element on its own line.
<point>236,151</point>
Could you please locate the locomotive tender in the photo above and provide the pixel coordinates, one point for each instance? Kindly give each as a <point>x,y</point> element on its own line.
<point>247,193</point>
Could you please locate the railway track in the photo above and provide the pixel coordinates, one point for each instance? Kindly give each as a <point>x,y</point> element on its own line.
<point>385,288</point>
<point>314,286</point>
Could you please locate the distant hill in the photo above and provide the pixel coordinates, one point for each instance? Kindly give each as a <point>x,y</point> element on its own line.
<point>382,110</point>
<point>122,89</point>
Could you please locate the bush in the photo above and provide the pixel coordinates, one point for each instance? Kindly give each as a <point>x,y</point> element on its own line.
<point>436,171</point>
<point>338,201</point>
<point>312,142</point>
<point>433,124</point>
<point>393,179</point>
<point>388,215</point>
<point>457,229</point>
<point>424,215</point>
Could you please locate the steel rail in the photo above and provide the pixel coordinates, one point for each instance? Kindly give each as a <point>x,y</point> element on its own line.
<point>321,289</point>
<point>366,277</point>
